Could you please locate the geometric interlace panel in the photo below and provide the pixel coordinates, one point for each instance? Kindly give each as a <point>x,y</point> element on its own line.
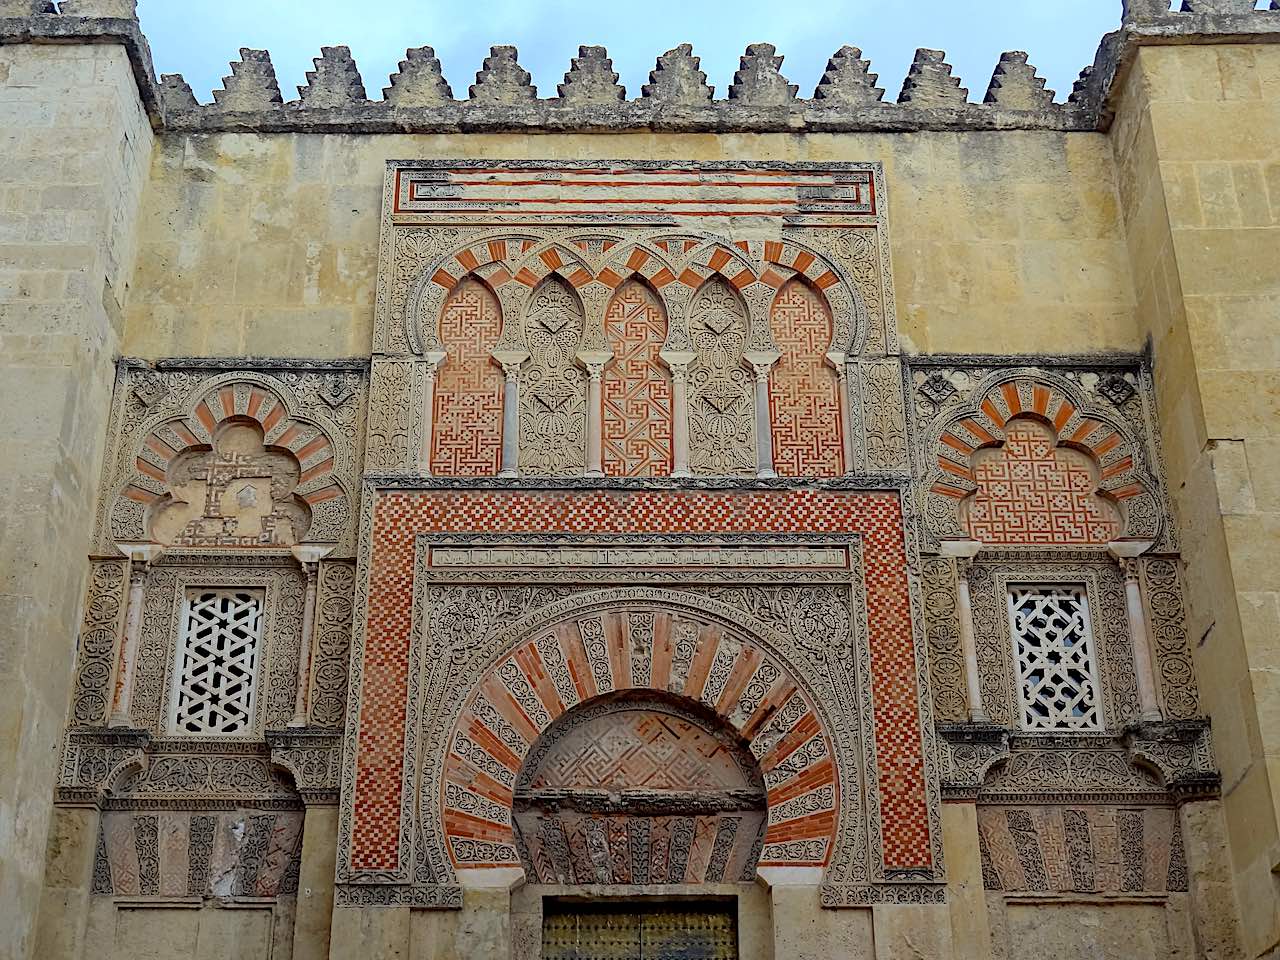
<point>1053,649</point>
<point>1033,491</point>
<point>218,650</point>
<point>623,931</point>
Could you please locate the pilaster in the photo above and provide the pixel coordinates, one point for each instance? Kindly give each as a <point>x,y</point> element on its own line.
<point>77,151</point>
<point>1196,126</point>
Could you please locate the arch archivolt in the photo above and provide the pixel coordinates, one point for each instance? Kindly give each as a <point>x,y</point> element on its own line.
<point>675,266</point>
<point>994,413</point>
<point>319,451</point>
<point>686,648</point>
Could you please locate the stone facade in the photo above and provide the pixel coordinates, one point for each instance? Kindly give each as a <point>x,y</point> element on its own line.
<point>850,519</point>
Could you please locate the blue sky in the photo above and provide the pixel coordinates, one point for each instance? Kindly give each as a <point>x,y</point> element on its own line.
<point>198,38</point>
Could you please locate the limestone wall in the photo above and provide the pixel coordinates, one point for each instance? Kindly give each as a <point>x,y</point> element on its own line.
<point>266,244</point>
<point>74,151</point>
<point>1198,148</point>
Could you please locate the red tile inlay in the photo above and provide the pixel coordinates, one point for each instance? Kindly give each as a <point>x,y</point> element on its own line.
<point>400,516</point>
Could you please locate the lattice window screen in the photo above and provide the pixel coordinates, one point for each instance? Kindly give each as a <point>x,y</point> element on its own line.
<point>218,650</point>
<point>1053,649</point>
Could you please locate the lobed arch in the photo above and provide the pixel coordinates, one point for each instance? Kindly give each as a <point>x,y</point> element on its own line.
<point>489,257</point>
<point>1003,402</point>
<point>667,645</point>
<point>236,399</point>
<point>674,266</point>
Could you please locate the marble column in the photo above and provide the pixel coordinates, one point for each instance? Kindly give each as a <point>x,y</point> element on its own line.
<point>847,425</point>
<point>510,362</point>
<point>141,556</point>
<point>1127,553</point>
<point>678,362</point>
<point>762,363</point>
<point>963,553</point>
<point>594,362</point>
<point>309,556</point>
<point>433,361</point>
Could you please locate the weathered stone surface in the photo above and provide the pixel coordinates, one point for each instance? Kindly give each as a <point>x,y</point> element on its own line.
<point>334,83</point>
<point>591,80</point>
<point>848,81</point>
<point>175,93</point>
<point>99,8</point>
<point>677,79</point>
<point>1015,85</point>
<point>929,83</point>
<point>502,80</point>
<point>251,86</point>
<point>758,81</point>
<point>420,82</point>
<point>1220,6</point>
<point>25,8</point>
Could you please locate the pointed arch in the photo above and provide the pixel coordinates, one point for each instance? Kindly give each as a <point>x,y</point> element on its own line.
<point>636,387</point>
<point>804,397</point>
<point>553,389</point>
<point>466,420</point>
<point>722,428</point>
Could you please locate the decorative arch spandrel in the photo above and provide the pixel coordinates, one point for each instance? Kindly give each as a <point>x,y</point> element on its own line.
<point>553,396</point>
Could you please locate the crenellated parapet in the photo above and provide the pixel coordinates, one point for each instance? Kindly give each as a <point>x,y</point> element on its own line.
<point>678,96</point>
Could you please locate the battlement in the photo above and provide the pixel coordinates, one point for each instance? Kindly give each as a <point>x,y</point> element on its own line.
<point>419,99</point>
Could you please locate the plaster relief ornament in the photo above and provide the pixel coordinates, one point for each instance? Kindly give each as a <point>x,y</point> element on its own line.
<point>553,403</point>
<point>237,494</point>
<point>721,393</point>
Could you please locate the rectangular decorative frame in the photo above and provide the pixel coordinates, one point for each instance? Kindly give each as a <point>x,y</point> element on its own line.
<point>990,578</point>
<point>284,586</point>
<point>392,665</point>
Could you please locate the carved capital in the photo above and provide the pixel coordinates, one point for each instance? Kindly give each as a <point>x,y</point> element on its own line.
<point>972,749</point>
<point>313,758</point>
<point>1127,554</point>
<point>1181,751</point>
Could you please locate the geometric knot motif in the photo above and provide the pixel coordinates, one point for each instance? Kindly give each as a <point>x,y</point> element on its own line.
<point>804,401</point>
<point>636,389</point>
<point>1054,655</point>
<point>1031,491</point>
<point>217,665</point>
<point>467,419</point>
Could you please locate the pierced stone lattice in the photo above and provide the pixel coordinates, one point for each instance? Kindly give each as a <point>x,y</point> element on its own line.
<point>721,393</point>
<point>467,419</point>
<point>636,388</point>
<point>1054,653</point>
<point>804,402</point>
<point>218,663</point>
<point>553,402</point>
<point>1032,491</point>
